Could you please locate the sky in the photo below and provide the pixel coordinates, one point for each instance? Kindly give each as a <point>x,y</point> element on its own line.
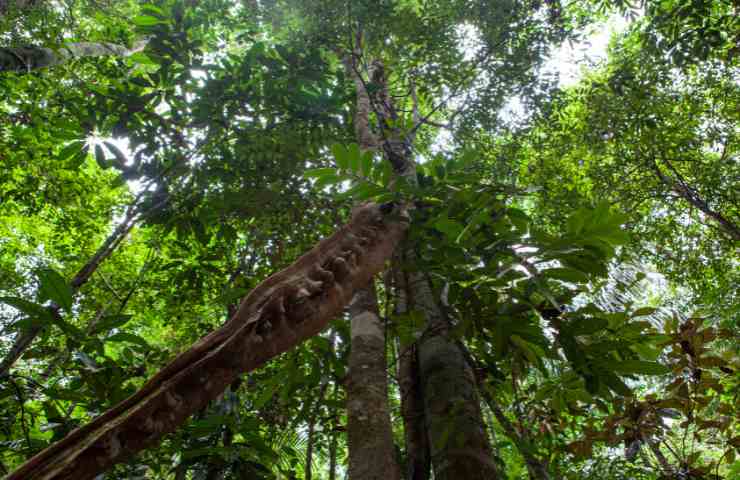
<point>570,60</point>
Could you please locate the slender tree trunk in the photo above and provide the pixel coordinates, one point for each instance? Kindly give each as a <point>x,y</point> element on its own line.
<point>537,469</point>
<point>308,473</point>
<point>682,189</point>
<point>369,432</point>
<point>334,440</point>
<point>418,461</point>
<point>25,59</point>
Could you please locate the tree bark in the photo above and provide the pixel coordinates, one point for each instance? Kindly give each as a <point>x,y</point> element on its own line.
<point>369,431</point>
<point>25,59</point>
<point>457,435</point>
<point>281,312</point>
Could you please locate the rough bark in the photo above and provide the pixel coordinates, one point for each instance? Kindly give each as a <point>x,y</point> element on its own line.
<point>284,310</point>
<point>457,435</point>
<point>369,431</point>
<point>25,59</point>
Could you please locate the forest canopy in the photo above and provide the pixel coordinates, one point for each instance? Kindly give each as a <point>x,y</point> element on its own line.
<point>460,265</point>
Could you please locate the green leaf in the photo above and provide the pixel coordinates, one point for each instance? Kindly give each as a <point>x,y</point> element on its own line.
<point>146,21</point>
<point>526,348</point>
<point>449,227</point>
<point>109,322</point>
<point>615,383</point>
<point>576,221</point>
<point>518,218</point>
<point>69,330</point>
<point>566,274</point>
<point>341,155</point>
<point>100,157</point>
<point>143,58</point>
<point>128,338</point>
<point>319,172</point>
<point>154,9</point>
<point>587,326</point>
<point>329,180</point>
<point>355,158</point>
<point>118,154</point>
<point>267,392</point>
<point>73,148</point>
<point>642,312</point>
<point>367,163</point>
<point>638,367</point>
<point>52,286</point>
<point>35,311</point>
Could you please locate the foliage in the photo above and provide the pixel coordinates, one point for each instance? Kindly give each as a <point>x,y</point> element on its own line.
<point>230,137</point>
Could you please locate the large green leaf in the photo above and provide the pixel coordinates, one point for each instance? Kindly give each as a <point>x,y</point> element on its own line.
<point>637,367</point>
<point>53,286</point>
<point>38,313</point>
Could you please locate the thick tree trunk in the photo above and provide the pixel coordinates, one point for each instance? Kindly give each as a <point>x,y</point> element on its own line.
<point>25,59</point>
<point>457,434</point>
<point>369,432</point>
<point>281,312</point>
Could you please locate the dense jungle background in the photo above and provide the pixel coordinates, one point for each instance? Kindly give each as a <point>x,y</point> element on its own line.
<point>565,304</point>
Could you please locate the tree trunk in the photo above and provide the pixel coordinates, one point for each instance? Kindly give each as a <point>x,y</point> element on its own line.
<point>372,454</point>
<point>418,461</point>
<point>25,59</point>
<point>537,469</point>
<point>457,436</point>
<point>308,473</point>
<point>281,312</point>
<point>369,431</point>
<point>685,191</point>
<point>334,440</point>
